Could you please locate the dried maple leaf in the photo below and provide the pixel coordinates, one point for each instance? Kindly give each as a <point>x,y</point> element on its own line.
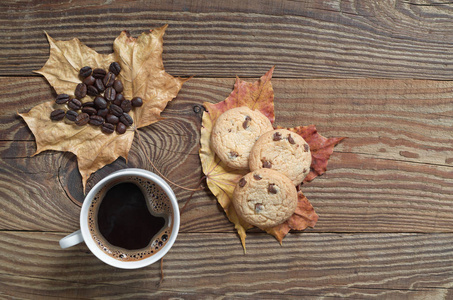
<point>142,75</point>
<point>304,216</point>
<point>221,179</point>
<point>320,147</point>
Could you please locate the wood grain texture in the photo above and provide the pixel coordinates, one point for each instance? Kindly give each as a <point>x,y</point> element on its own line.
<point>357,266</point>
<point>307,38</point>
<point>392,174</point>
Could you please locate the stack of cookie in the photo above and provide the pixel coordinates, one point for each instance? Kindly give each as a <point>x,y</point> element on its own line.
<point>279,160</point>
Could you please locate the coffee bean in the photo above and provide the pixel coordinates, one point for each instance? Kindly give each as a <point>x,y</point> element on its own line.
<point>112,119</point>
<point>121,128</point>
<point>272,189</point>
<point>85,72</point>
<point>257,177</point>
<point>103,112</point>
<point>71,115</point>
<point>267,164</point>
<point>100,103</point>
<point>89,110</point>
<point>242,182</point>
<point>306,147</point>
<point>118,99</point>
<point>290,139</point>
<point>74,104</point>
<point>99,85</point>
<point>137,102</point>
<point>118,86</point>
<point>62,98</point>
<point>92,91</point>
<point>126,119</point>
<point>96,120</point>
<point>277,136</point>
<point>107,128</point>
<point>82,119</point>
<point>115,68</point>
<point>89,103</point>
<point>57,115</point>
<point>99,73</point>
<point>109,79</point>
<point>80,91</point>
<point>89,80</point>
<point>110,94</point>
<point>126,105</point>
<point>116,110</point>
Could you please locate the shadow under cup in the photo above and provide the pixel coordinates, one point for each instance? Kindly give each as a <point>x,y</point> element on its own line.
<point>130,219</point>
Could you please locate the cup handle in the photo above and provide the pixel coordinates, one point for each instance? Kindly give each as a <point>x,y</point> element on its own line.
<point>71,240</point>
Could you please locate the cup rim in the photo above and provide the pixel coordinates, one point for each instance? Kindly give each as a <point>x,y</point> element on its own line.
<point>92,244</point>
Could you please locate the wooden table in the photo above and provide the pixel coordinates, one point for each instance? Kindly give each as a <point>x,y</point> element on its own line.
<point>377,72</point>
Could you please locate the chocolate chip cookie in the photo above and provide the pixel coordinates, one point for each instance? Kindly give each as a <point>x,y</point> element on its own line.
<point>265,198</point>
<point>283,151</point>
<point>234,134</point>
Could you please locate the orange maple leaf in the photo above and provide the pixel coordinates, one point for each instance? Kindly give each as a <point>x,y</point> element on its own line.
<point>222,180</point>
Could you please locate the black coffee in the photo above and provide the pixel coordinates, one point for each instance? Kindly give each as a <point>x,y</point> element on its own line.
<point>124,218</point>
<point>131,218</point>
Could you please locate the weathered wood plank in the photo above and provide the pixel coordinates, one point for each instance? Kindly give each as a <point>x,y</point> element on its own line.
<point>308,38</point>
<point>381,266</point>
<point>392,119</point>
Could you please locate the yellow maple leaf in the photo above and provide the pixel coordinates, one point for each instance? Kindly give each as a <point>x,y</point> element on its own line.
<point>142,74</point>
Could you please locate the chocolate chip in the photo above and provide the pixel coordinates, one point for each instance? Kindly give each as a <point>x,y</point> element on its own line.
<point>277,136</point>
<point>257,177</point>
<point>267,164</point>
<point>306,147</point>
<point>242,182</point>
<point>258,207</point>
<point>246,125</point>
<point>290,139</point>
<point>233,154</point>
<point>305,170</point>
<point>272,189</point>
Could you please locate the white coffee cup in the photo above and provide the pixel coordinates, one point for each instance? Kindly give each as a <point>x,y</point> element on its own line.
<point>84,235</point>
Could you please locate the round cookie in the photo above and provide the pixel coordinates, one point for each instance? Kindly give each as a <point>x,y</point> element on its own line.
<point>265,198</point>
<point>283,151</point>
<point>234,134</point>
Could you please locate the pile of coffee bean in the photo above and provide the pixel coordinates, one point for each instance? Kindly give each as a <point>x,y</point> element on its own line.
<point>109,109</point>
